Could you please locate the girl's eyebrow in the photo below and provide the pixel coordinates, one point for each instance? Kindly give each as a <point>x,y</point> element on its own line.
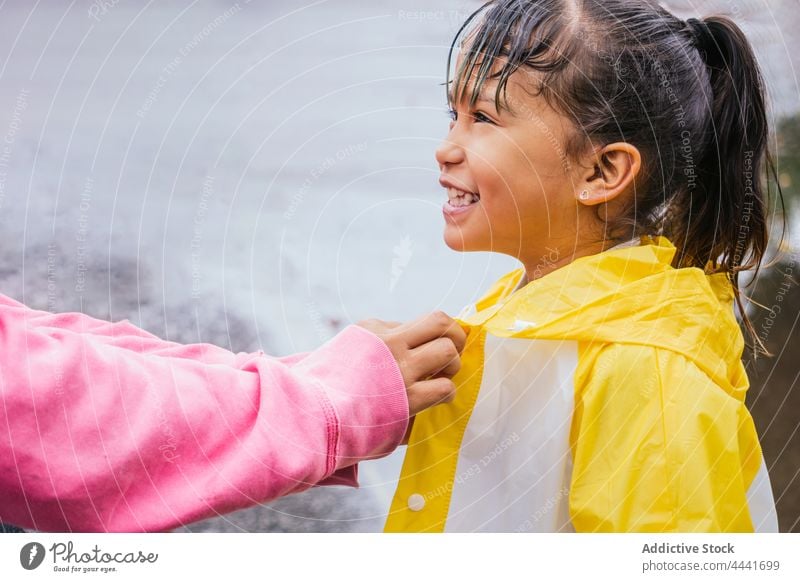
<point>482,97</point>
<point>486,97</point>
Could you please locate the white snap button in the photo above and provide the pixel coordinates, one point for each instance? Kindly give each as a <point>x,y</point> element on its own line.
<point>416,502</point>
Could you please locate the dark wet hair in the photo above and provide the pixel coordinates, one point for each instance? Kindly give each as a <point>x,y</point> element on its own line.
<point>688,94</point>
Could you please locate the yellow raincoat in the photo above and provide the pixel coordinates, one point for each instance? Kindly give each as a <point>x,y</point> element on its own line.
<point>607,395</point>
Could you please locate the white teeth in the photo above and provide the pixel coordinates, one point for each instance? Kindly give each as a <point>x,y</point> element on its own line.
<point>461,198</point>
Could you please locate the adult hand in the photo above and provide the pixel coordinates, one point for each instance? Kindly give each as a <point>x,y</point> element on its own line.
<point>427,352</point>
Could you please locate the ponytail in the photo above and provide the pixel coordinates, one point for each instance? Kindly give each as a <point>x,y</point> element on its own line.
<point>724,217</point>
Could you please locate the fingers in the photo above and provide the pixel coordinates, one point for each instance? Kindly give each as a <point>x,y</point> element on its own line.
<point>432,326</point>
<point>450,370</point>
<point>425,394</point>
<point>439,356</point>
<point>427,353</point>
<point>457,335</point>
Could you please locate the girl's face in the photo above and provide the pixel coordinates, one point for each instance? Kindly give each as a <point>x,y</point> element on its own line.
<point>509,184</point>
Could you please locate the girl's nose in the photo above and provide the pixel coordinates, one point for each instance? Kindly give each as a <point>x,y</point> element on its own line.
<point>449,152</point>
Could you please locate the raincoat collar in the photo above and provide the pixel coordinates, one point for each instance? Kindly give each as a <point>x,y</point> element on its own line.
<point>626,294</point>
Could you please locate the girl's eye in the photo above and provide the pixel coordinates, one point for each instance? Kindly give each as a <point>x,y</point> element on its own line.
<point>478,117</point>
<point>481,118</point>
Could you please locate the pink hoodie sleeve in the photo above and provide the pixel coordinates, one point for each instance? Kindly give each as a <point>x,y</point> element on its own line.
<point>105,427</point>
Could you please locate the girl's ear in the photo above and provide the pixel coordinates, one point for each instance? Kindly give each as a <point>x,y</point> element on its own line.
<point>614,170</point>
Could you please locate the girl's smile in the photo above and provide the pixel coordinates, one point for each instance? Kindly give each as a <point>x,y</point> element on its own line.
<point>459,201</point>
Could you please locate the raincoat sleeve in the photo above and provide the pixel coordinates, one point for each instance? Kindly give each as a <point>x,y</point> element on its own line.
<point>105,427</point>
<point>658,446</point>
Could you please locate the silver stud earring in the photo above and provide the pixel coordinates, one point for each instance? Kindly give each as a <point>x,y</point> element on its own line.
<point>584,195</point>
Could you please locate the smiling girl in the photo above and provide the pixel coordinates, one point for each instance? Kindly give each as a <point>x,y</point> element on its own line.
<point>618,153</point>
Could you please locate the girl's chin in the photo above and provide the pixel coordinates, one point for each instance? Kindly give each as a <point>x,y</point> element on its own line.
<point>460,241</point>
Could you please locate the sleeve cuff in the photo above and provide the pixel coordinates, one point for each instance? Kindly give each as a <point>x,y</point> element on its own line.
<point>366,389</point>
